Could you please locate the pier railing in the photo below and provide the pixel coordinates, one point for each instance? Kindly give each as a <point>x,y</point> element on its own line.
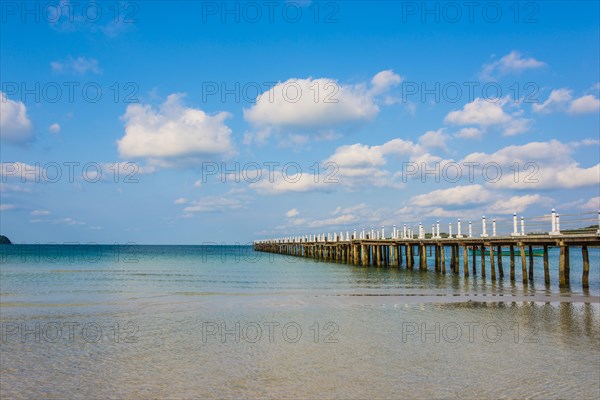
<point>381,247</point>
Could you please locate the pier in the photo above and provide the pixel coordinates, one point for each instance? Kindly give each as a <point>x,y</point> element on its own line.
<point>404,248</point>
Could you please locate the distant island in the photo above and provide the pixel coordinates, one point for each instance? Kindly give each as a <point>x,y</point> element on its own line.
<point>4,240</point>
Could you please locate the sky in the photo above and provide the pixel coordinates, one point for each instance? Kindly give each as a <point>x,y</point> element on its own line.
<point>191,122</point>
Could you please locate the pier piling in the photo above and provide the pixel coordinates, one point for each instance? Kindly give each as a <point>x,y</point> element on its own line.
<point>398,251</point>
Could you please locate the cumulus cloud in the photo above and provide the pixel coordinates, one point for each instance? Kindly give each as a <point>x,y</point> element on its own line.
<point>541,165</point>
<point>486,114</point>
<point>470,133</point>
<point>358,155</point>
<point>383,80</point>
<point>516,204</point>
<point>585,104</point>
<point>455,196</point>
<point>593,204</point>
<point>513,62</point>
<point>174,133</point>
<point>292,213</point>
<point>468,201</point>
<point>558,100</point>
<point>181,200</point>
<point>15,125</point>
<point>434,139</point>
<point>79,66</point>
<point>359,165</point>
<point>316,105</point>
<point>561,100</point>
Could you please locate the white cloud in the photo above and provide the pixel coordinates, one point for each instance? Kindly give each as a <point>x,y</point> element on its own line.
<point>79,66</point>
<point>455,196</point>
<point>470,133</point>
<point>198,183</point>
<point>512,62</point>
<point>40,212</point>
<point>558,100</point>
<point>383,80</point>
<point>333,104</point>
<point>488,113</point>
<point>469,201</point>
<point>358,155</point>
<point>540,165</point>
<point>586,142</point>
<point>54,128</point>
<point>213,204</point>
<point>434,139</point>
<point>15,125</point>
<point>316,105</point>
<point>361,165</point>
<point>593,204</point>
<point>585,104</point>
<point>561,100</point>
<point>479,112</point>
<point>6,207</point>
<point>516,204</point>
<point>517,126</point>
<point>173,133</point>
<point>292,183</point>
<point>181,200</point>
<point>292,213</point>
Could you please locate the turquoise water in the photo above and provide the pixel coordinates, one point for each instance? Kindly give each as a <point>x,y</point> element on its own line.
<point>89,321</point>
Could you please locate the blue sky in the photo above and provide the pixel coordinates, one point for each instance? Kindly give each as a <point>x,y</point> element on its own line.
<point>373,93</point>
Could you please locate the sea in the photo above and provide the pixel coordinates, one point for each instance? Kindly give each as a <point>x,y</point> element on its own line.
<point>226,322</point>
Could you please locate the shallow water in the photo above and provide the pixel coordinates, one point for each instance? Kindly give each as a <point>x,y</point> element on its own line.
<point>225,322</point>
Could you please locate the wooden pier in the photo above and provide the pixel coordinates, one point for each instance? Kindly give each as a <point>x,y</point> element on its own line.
<point>405,250</point>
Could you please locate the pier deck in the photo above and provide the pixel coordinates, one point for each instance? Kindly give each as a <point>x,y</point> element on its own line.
<point>400,252</point>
